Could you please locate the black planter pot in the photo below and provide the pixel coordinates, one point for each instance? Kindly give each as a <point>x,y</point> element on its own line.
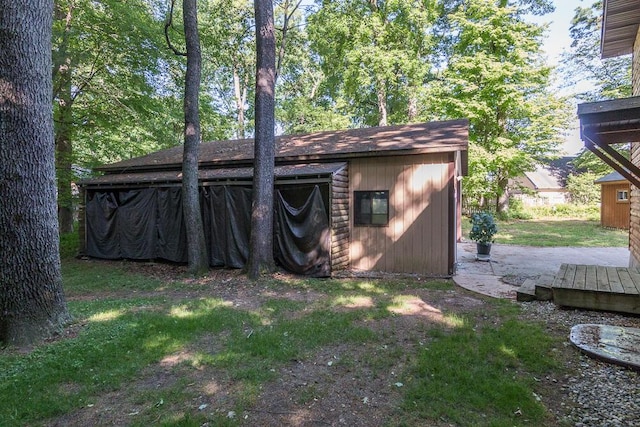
<point>484,251</point>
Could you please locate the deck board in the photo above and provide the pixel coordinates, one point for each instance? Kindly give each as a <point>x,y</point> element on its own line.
<point>635,276</point>
<point>602,279</point>
<point>625,279</point>
<point>590,280</point>
<point>598,288</point>
<point>614,280</point>
<point>580,280</point>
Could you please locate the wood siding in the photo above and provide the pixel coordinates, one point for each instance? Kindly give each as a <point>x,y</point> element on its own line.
<point>416,240</point>
<point>340,220</point>
<point>634,219</point>
<point>614,213</point>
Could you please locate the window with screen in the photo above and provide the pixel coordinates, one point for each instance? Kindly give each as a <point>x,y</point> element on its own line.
<point>371,208</point>
<point>622,195</point>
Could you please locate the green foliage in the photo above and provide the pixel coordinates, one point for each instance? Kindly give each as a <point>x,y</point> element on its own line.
<point>587,161</point>
<point>610,78</point>
<point>516,211</point>
<point>375,56</point>
<point>69,245</point>
<point>483,228</point>
<point>582,188</point>
<point>496,77</point>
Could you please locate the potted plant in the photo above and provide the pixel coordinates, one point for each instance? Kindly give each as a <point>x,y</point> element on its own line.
<point>483,228</point>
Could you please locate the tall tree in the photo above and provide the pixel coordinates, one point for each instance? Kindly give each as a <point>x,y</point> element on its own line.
<point>495,76</point>
<point>376,54</point>
<point>196,246</point>
<point>608,78</point>
<point>261,240</point>
<point>106,56</point>
<point>229,49</point>
<point>32,303</point>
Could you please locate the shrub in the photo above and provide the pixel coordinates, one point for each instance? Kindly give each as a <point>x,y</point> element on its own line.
<point>483,228</point>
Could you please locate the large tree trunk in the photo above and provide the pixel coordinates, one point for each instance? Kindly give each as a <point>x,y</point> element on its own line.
<point>32,303</point>
<point>196,247</point>
<point>261,241</point>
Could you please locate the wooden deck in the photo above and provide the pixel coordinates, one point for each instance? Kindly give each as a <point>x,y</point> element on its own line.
<point>598,288</point>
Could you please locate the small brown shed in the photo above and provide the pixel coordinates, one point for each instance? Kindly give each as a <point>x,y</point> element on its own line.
<point>614,201</point>
<point>381,198</point>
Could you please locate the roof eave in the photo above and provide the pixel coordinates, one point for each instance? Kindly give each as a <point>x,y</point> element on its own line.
<point>620,21</point>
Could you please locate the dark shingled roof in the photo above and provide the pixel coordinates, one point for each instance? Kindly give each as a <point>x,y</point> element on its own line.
<point>174,177</point>
<point>327,146</point>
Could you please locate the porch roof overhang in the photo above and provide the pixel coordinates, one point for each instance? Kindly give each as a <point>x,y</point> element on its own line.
<point>620,19</point>
<point>610,122</point>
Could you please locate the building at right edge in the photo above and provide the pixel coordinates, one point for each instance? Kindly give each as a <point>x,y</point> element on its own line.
<point>618,120</point>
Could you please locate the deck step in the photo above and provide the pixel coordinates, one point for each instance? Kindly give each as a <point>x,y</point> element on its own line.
<point>544,292</point>
<point>595,287</point>
<point>527,291</point>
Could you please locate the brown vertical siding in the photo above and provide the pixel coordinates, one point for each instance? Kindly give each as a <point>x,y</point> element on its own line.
<point>417,237</point>
<point>634,220</point>
<point>340,220</point>
<point>612,212</point>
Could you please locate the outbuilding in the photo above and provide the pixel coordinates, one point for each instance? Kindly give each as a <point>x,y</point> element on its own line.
<point>380,198</point>
<point>615,190</point>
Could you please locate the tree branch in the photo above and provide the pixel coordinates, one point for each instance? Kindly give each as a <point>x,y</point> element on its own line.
<point>168,24</point>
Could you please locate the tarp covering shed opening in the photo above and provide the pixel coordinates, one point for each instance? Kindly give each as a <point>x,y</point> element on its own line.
<point>147,223</point>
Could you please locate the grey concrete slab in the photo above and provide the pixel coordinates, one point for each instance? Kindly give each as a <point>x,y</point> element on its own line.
<point>510,265</point>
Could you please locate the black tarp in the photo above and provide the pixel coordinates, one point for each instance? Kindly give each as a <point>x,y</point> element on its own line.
<point>148,224</point>
<point>302,235</point>
<point>226,214</point>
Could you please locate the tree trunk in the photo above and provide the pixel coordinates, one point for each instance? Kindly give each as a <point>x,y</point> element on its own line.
<point>382,103</point>
<point>502,196</point>
<point>412,113</point>
<point>240,95</point>
<point>62,123</point>
<point>32,303</point>
<point>261,241</point>
<point>196,247</point>
<point>64,155</point>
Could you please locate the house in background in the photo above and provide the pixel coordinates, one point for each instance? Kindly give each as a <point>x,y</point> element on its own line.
<point>614,201</point>
<point>382,198</point>
<point>546,186</point>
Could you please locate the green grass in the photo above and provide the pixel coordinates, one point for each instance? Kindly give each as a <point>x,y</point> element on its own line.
<point>121,336</point>
<point>487,372</point>
<point>556,232</point>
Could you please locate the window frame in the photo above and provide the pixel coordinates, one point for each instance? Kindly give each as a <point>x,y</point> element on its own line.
<point>620,191</point>
<point>360,218</point>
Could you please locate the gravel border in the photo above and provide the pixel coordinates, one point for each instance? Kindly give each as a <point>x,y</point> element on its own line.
<point>599,394</point>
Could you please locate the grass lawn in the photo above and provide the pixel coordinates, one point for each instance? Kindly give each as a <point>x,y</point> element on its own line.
<point>556,232</point>
<point>150,347</point>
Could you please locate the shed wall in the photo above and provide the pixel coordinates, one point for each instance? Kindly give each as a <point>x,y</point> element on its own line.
<point>634,219</point>
<point>340,220</point>
<point>416,239</point>
<point>612,212</point>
